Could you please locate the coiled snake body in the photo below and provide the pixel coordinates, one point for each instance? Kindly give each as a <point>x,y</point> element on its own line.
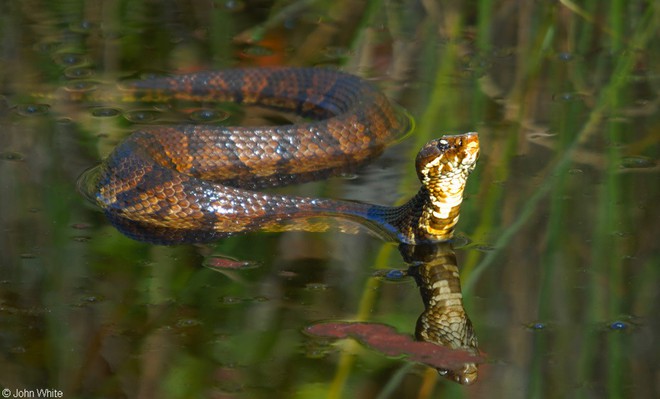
<point>196,183</point>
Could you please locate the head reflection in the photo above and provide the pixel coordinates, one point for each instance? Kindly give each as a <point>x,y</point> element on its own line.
<point>444,320</point>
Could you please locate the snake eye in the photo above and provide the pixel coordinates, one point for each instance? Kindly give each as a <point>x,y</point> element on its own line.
<point>443,145</point>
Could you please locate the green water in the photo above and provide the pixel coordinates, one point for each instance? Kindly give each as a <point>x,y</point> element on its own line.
<point>557,242</point>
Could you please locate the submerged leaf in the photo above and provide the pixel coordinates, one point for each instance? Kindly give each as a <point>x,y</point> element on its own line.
<point>388,341</point>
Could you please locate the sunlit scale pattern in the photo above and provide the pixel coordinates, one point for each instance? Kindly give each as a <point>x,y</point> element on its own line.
<point>158,176</point>
<point>443,166</point>
<point>446,177</point>
<point>358,122</point>
<point>193,183</point>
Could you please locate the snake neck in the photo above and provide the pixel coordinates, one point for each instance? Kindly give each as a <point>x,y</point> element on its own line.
<point>427,217</point>
<point>444,320</point>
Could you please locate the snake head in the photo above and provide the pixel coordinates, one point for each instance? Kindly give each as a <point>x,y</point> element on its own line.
<point>448,325</point>
<point>443,166</point>
<point>448,156</point>
<point>466,375</point>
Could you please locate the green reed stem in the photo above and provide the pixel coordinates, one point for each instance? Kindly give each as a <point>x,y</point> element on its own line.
<point>369,295</point>
<point>485,18</point>
<point>616,22</point>
<point>585,32</point>
<point>390,388</point>
<point>220,37</point>
<point>426,129</point>
<point>277,18</point>
<point>443,111</point>
<point>604,299</point>
<point>624,66</point>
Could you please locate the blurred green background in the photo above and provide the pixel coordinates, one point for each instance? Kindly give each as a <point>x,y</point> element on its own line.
<point>558,238</point>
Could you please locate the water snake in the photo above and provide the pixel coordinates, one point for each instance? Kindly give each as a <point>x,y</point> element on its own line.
<point>197,183</point>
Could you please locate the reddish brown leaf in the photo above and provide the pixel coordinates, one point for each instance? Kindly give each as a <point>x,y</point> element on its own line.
<point>387,340</point>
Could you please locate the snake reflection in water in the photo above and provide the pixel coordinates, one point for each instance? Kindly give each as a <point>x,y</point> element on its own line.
<point>198,183</point>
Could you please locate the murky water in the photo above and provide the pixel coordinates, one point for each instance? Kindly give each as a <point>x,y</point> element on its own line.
<point>557,243</point>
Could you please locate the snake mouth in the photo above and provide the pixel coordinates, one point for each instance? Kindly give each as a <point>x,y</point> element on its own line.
<point>459,149</point>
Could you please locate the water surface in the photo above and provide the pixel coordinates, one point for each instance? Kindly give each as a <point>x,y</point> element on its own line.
<point>557,243</point>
